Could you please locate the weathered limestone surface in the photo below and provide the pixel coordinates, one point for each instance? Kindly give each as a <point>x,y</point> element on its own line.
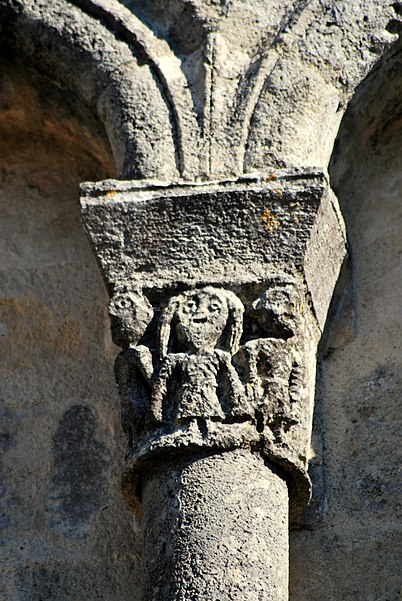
<point>230,361</point>
<point>353,530</point>
<point>234,87</point>
<point>217,302</point>
<point>65,532</point>
<point>206,521</point>
<point>248,95</point>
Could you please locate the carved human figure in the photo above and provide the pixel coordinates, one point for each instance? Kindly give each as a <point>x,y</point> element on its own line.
<point>199,332</point>
<point>131,314</point>
<point>271,363</point>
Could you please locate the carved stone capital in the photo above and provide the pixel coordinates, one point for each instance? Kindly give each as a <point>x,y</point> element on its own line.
<point>218,296</point>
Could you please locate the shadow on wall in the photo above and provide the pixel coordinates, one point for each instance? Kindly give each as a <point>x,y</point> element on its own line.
<point>66,532</point>
<point>349,550</point>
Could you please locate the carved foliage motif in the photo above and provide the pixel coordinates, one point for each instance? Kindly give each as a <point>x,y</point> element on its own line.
<point>195,361</point>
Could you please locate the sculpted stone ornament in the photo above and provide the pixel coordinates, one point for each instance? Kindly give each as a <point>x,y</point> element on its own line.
<point>218,304</point>
<point>188,96</point>
<point>272,363</point>
<point>199,333</point>
<point>219,293</point>
<point>192,375</point>
<point>177,381</point>
<point>273,366</point>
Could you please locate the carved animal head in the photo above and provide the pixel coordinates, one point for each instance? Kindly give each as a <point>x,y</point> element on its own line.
<point>200,320</point>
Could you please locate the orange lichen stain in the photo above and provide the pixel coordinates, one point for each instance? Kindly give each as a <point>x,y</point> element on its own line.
<point>270,221</point>
<point>272,177</point>
<point>111,194</point>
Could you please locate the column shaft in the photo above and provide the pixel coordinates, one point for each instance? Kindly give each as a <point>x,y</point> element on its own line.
<point>215,528</point>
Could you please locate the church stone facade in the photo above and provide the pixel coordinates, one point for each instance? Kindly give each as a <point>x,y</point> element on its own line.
<point>206,196</point>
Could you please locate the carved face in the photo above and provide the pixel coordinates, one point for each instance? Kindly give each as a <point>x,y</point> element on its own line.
<point>200,320</point>
<point>130,313</point>
<point>276,310</point>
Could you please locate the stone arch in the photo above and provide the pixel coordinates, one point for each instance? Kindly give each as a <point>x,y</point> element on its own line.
<point>110,71</point>
<point>183,111</point>
<point>111,62</point>
<point>354,517</point>
<point>319,60</point>
<point>59,432</point>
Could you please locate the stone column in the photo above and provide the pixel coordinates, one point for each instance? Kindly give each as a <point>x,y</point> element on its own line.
<point>215,527</point>
<point>218,294</point>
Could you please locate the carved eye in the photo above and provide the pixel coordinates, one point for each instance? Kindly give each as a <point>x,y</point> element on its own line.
<point>214,307</point>
<point>190,307</point>
<point>120,303</point>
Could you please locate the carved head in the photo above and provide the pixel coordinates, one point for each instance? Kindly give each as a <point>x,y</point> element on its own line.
<point>278,310</point>
<point>130,314</point>
<point>200,320</point>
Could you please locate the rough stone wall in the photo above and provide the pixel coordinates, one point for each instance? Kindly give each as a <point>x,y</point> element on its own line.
<point>66,533</point>
<point>350,547</point>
